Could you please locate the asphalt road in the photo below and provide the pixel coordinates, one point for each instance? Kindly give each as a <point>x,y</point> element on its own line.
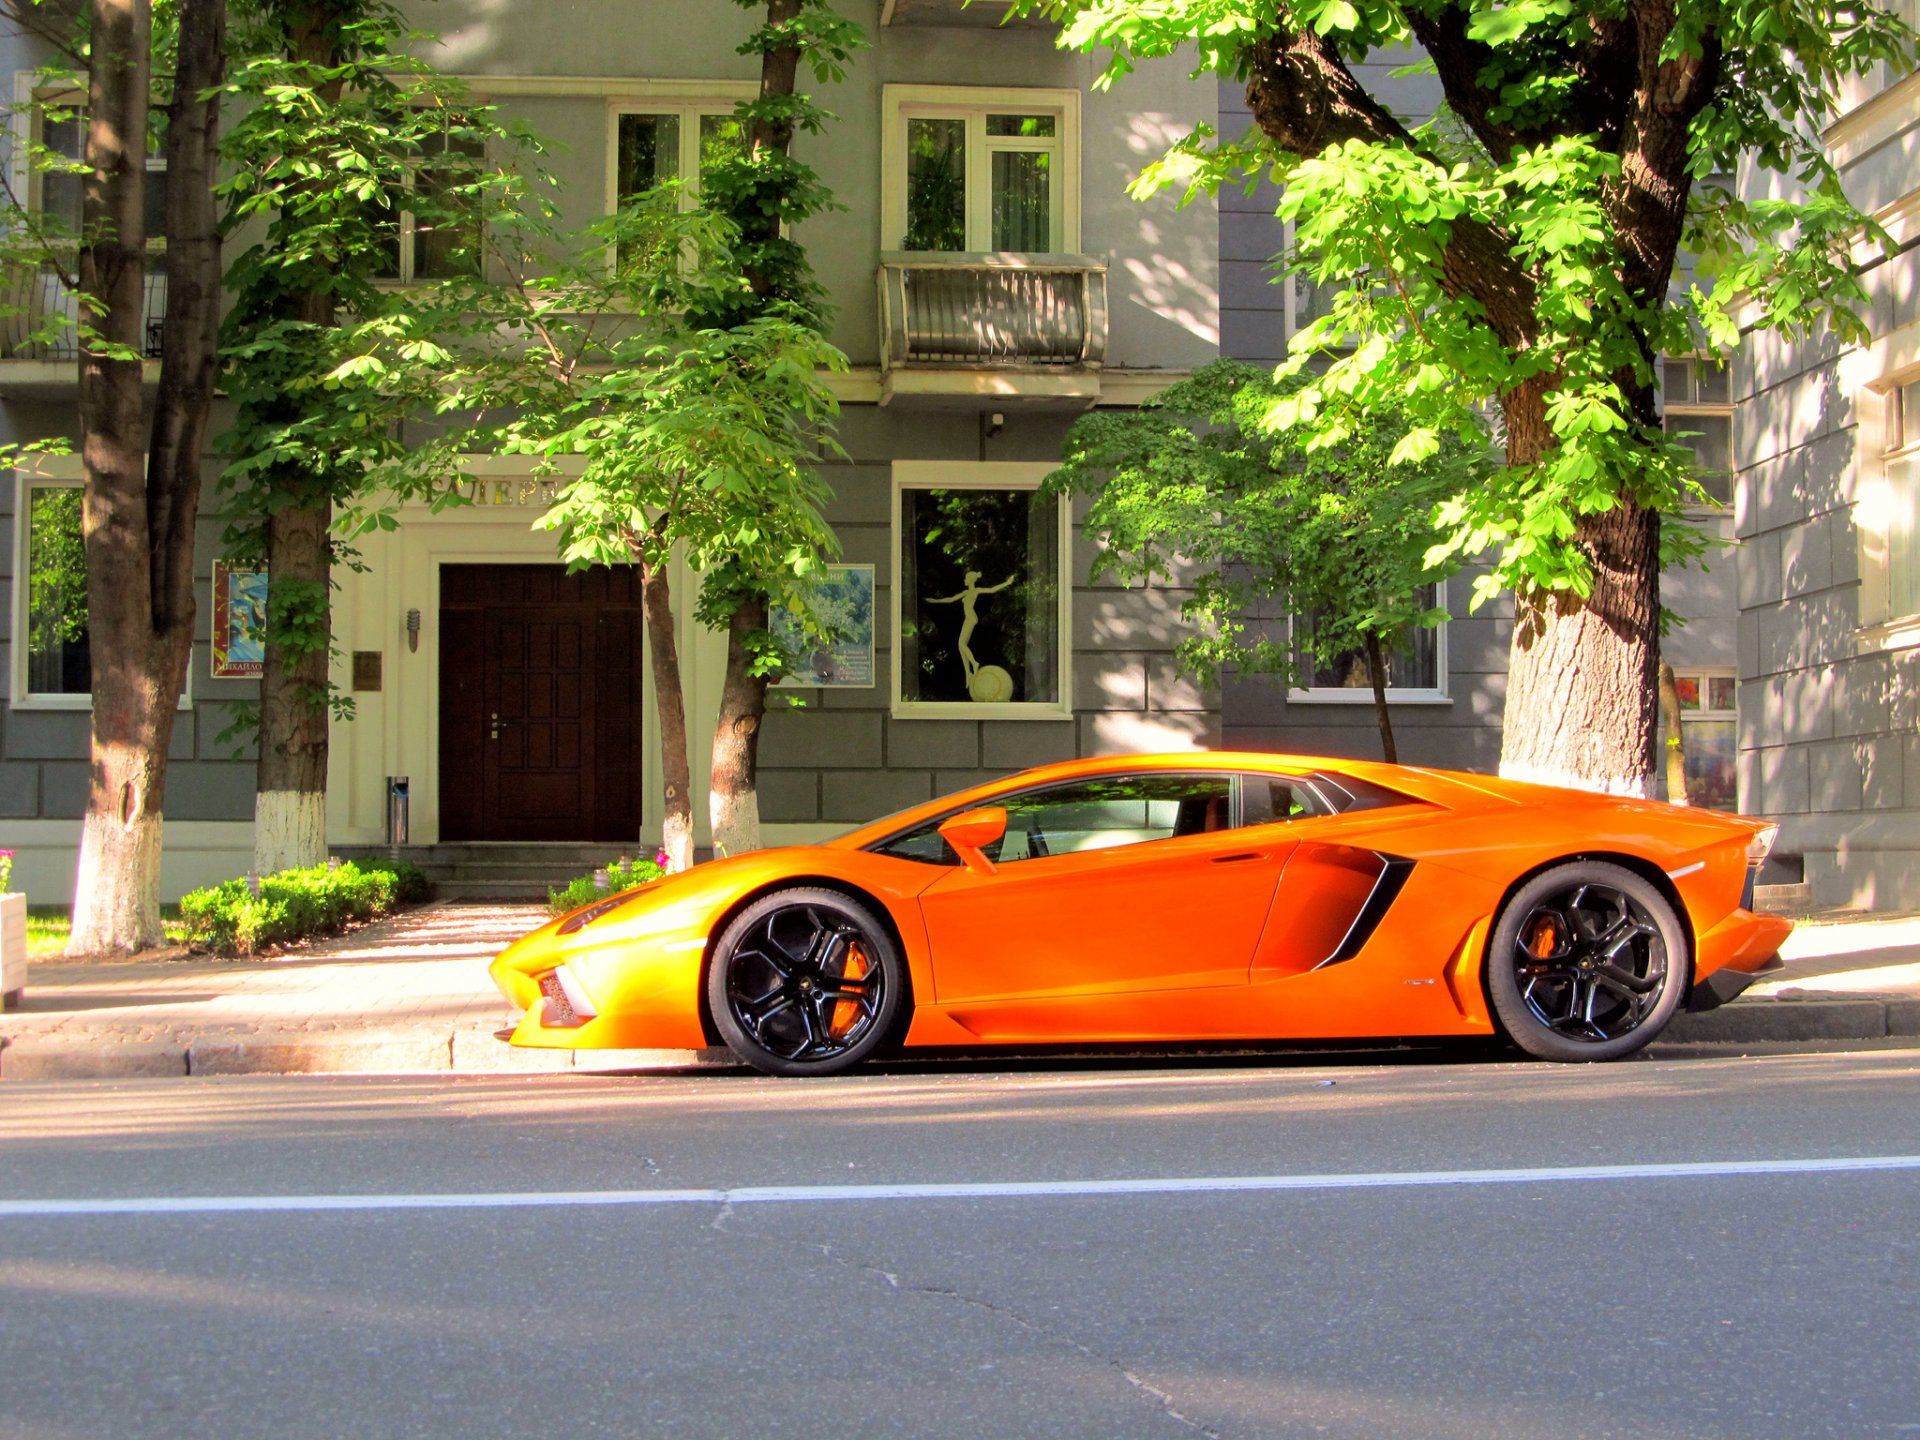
<point>511,1269</point>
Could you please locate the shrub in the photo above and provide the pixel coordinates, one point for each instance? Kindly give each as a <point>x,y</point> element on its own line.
<point>622,874</point>
<point>297,903</point>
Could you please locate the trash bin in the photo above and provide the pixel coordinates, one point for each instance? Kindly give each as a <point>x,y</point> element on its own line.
<point>396,811</point>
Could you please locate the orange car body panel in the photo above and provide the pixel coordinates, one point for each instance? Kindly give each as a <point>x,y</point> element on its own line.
<point>1229,935</point>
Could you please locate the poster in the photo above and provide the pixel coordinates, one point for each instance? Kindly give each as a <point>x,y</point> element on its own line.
<point>843,602</point>
<point>239,622</point>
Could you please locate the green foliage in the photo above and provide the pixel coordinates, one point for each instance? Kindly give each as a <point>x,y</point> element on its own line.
<point>1194,489</point>
<point>1508,254</point>
<point>625,873</point>
<point>296,904</point>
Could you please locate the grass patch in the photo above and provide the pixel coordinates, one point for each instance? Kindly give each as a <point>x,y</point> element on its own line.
<point>48,927</point>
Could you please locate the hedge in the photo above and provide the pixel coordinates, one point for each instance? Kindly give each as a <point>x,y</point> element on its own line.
<point>622,874</point>
<point>295,904</point>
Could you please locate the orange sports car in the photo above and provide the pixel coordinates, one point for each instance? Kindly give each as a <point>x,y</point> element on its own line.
<point>1196,898</point>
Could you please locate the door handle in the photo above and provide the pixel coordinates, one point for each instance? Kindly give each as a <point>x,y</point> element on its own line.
<point>1242,855</point>
<point>494,722</point>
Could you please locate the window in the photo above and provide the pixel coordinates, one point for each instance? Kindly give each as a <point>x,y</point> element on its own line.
<point>980,599</point>
<point>656,146</point>
<point>1902,459</point>
<point>1707,734</point>
<point>1697,406</point>
<point>1416,661</point>
<point>968,170</point>
<point>58,656</point>
<point>63,132</point>
<point>437,237</point>
<point>1083,815</point>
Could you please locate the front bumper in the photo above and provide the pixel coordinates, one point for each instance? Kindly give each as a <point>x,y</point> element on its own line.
<point>645,992</point>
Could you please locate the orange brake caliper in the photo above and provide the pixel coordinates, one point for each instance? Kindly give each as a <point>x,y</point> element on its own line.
<point>847,1013</point>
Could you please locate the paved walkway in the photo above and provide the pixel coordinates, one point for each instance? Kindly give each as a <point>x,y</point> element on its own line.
<point>411,994</point>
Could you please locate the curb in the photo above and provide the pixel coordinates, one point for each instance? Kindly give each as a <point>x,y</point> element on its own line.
<point>438,1052</point>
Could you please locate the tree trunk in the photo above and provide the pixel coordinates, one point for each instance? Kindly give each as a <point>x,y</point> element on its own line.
<point>290,806</point>
<point>116,902</point>
<point>1377,670</point>
<point>290,800</point>
<point>676,827</point>
<point>1581,684</point>
<point>733,802</point>
<point>1676,737</point>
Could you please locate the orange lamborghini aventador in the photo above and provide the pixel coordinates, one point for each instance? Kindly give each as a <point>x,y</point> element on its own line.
<point>1212,897</point>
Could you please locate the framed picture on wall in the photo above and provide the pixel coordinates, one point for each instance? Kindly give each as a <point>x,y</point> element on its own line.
<point>843,605</point>
<point>239,622</point>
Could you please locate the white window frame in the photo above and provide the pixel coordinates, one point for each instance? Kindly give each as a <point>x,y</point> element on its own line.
<point>1678,410</point>
<point>687,102</point>
<point>1435,694</point>
<point>901,103</point>
<point>45,472</point>
<point>407,256</point>
<point>1884,508</point>
<point>979,475</point>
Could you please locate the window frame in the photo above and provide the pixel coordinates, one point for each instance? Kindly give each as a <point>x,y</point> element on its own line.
<point>1680,409</point>
<point>689,104</point>
<point>47,472</point>
<point>1435,694</point>
<point>1878,509</point>
<point>972,104</point>
<point>978,475</point>
<point>406,253</point>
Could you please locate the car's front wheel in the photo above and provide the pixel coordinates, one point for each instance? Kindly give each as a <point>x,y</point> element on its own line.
<point>1588,961</point>
<point>805,982</point>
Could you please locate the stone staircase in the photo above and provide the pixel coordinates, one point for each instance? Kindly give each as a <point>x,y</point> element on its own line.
<point>498,870</point>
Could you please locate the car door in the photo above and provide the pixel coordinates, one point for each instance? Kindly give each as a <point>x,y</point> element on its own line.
<point>1125,884</point>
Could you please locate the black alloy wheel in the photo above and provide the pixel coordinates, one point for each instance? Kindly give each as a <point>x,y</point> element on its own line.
<point>805,982</point>
<point>1588,961</point>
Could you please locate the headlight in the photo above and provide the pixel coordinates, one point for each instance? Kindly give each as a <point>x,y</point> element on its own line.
<point>1762,845</point>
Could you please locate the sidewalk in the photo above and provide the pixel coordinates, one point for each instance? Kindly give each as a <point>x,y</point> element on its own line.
<point>410,995</point>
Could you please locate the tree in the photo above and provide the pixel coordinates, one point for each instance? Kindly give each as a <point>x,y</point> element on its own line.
<point>142,490</point>
<point>664,436</point>
<point>1193,489</point>
<point>766,192</point>
<point>337,133</point>
<point>1518,254</point>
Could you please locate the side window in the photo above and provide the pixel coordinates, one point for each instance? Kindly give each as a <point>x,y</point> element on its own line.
<point>1113,810</point>
<point>1270,799</point>
<point>924,844</point>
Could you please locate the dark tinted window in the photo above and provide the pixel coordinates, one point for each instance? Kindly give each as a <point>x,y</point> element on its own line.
<point>1271,798</point>
<point>923,844</point>
<point>1346,793</point>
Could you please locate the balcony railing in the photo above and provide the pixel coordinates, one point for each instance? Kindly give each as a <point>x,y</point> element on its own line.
<point>986,311</point>
<point>34,297</point>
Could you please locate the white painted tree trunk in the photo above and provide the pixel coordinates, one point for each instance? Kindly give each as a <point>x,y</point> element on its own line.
<point>120,866</point>
<point>676,838</point>
<point>289,830</point>
<point>735,818</point>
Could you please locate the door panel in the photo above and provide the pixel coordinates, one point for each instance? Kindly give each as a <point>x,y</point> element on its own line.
<point>1172,914</point>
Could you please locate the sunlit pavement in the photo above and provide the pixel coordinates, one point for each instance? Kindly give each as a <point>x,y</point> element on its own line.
<point>410,995</point>
<point>1652,1273</point>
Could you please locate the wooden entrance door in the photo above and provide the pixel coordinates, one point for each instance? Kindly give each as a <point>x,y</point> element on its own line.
<point>540,696</point>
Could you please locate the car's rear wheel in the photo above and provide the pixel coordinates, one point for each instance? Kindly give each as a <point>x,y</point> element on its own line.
<point>805,982</point>
<point>1588,961</point>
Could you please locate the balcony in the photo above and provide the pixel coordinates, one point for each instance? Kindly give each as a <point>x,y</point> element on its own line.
<point>992,325</point>
<point>31,299</point>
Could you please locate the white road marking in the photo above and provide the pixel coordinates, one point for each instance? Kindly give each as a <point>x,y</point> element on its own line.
<point>960,1190</point>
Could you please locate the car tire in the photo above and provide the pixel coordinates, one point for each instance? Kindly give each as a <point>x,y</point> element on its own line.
<point>806,981</point>
<point>1587,961</point>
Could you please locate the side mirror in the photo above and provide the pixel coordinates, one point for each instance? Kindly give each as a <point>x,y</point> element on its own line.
<point>971,831</point>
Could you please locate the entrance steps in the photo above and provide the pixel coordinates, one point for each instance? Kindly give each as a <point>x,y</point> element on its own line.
<point>498,870</point>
